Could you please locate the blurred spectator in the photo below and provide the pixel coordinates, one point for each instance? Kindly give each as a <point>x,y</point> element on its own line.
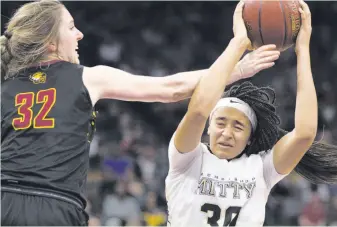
<point>120,208</point>
<point>93,219</point>
<point>147,164</point>
<point>314,213</point>
<point>153,215</point>
<point>332,208</point>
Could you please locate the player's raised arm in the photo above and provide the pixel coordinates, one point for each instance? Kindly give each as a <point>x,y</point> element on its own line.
<point>292,147</point>
<point>211,87</point>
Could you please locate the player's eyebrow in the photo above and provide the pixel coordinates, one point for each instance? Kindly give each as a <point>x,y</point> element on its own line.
<point>220,118</point>
<point>239,123</point>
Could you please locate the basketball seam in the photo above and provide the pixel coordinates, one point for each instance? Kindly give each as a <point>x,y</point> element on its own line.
<point>285,25</point>
<point>260,28</point>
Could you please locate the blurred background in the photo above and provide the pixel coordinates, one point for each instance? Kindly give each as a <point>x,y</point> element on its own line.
<point>128,163</point>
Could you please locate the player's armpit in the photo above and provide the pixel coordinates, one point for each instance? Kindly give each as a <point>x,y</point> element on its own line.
<point>270,174</point>
<point>180,162</point>
<point>289,150</point>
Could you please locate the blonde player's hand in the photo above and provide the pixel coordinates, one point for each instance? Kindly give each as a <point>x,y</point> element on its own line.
<point>239,27</point>
<point>262,58</point>
<point>304,35</point>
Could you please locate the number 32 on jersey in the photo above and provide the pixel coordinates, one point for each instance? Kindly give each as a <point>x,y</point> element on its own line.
<point>25,102</point>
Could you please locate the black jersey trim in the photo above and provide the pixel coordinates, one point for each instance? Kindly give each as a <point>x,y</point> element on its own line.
<point>43,193</point>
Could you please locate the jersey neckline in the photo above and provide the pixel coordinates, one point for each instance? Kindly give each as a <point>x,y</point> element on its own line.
<point>50,62</point>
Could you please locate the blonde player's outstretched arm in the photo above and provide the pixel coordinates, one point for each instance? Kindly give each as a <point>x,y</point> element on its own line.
<point>289,150</point>
<point>104,82</point>
<point>210,88</point>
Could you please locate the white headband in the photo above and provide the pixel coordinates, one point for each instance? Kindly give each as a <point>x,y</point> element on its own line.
<point>239,105</point>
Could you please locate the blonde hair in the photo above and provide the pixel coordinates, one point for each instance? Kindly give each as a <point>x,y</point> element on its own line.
<point>28,34</point>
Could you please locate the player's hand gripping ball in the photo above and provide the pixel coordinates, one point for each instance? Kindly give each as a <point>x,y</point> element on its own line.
<point>272,22</point>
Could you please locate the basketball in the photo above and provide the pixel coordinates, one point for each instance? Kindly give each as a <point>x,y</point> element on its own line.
<point>272,22</point>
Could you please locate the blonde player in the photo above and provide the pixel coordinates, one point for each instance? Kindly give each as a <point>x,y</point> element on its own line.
<point>228,182</point>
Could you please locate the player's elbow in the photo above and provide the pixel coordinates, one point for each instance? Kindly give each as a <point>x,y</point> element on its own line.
<point>178,89</point>
<point>306,129</point>
<point>170,95</point>
<point>178,94</point>
<point>308,135</point>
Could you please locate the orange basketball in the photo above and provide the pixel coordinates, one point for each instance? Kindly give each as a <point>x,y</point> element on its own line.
<point>272,22</point>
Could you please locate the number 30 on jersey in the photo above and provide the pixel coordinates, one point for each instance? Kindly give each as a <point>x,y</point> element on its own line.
<point>231,215</point>
<point>25,102</point>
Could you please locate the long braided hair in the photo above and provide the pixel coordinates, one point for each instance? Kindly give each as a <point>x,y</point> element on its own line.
<point>319,164</point>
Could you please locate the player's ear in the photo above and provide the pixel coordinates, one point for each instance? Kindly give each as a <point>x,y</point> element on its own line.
<point>208,130</point>
<point>52,47</point>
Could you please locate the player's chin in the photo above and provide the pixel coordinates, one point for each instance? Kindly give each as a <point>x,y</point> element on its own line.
<point>76,60</point>
<point>223,153</point>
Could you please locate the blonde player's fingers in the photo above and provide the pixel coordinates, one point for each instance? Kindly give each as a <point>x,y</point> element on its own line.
<point>268,53</point>
<point>265,48</point>
<point>268,59</point>
<point>263,66</point>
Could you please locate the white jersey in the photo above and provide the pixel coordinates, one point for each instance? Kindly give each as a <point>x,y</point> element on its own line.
<point>203,190</point>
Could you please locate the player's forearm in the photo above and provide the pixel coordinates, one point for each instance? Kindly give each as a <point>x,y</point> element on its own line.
<point>212,84</point>
<point>306,115</point>
<point>236,75</point>
<point>184,83</point>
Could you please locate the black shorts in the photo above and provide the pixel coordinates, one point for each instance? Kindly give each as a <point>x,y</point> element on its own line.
<point>34,210</point>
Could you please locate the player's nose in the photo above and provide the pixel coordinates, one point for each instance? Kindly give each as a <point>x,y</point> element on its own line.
<point>79,35</point>
<point>227,133</point>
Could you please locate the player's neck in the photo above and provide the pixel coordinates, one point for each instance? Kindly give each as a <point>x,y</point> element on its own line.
<point>48,60</point>
<point>45,62</point>
<point>51,57</point>
<point>228,159</point>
